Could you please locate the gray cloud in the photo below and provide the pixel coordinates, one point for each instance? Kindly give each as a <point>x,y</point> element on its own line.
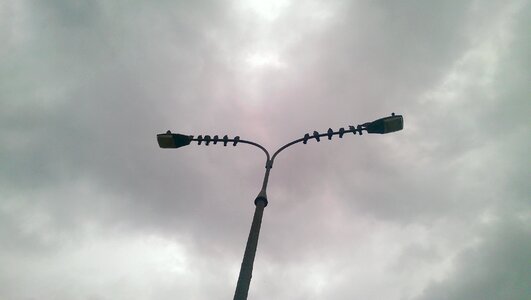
<point>495,269</point>
<point>91,208</point>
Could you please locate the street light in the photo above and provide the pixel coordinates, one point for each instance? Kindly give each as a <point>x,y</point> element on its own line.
<point>174,140</point>
<point>386,125</point>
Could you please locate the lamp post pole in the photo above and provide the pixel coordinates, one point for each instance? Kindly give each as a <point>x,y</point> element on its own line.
<point>246,269</point>
<point>173,140</point>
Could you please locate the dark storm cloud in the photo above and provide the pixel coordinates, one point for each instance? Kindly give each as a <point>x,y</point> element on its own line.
<point>495,269</point>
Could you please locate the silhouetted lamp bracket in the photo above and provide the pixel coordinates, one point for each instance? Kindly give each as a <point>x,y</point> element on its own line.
<point>381,126</point>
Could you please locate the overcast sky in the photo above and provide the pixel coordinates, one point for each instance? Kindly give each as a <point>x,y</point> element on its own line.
<point>92,209</point>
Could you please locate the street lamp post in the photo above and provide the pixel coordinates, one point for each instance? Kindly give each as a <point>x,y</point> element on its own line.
<point>173,140</point>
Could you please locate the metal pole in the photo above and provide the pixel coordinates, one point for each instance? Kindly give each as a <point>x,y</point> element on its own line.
<point>246,270</point>
<point>244,280</point>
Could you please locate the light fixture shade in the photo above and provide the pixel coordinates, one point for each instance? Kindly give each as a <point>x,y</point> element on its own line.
<point>386,125</point>
<point>173,140</point>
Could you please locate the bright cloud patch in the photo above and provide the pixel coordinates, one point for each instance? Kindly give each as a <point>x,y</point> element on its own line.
<point>264,60</point>
<point>268,10</point>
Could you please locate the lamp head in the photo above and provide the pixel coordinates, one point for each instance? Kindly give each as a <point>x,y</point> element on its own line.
<point>173,140</point>
<point>386,125</point>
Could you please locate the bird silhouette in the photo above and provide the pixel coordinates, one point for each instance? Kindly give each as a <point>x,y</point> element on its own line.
<point>316,136</point>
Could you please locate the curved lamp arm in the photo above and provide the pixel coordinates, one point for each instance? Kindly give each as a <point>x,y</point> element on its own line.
<point>234,142</point>
<point>177,140</point>
<point>381,126</point>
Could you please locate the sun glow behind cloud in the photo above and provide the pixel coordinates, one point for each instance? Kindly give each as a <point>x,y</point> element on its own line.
<point>266,10</point>
<point>264,59</point>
